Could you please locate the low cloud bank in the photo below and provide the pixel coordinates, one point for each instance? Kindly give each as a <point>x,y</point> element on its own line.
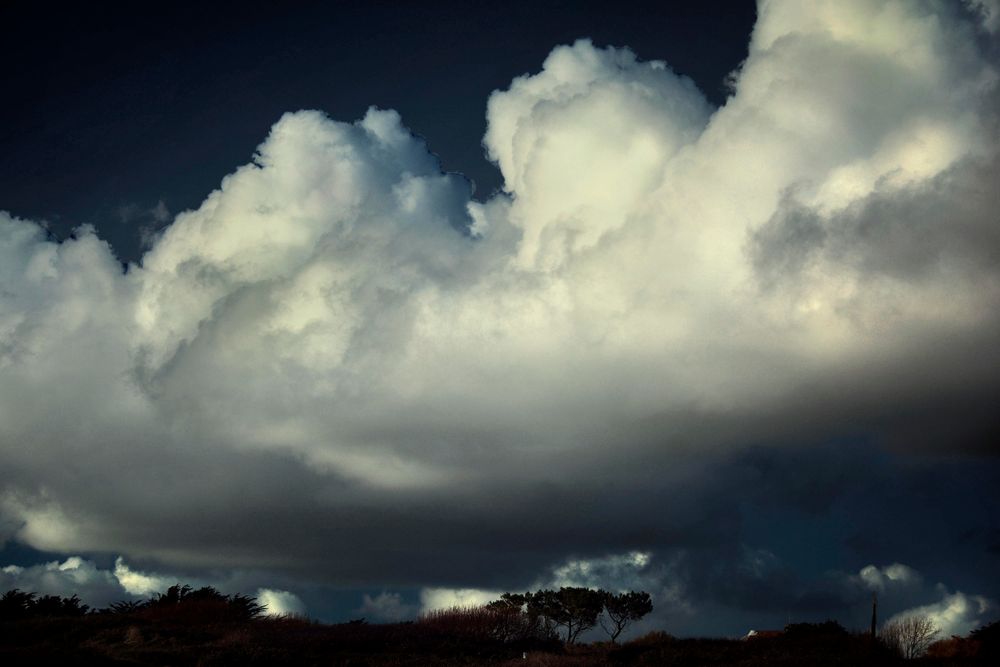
<point>98,587</point>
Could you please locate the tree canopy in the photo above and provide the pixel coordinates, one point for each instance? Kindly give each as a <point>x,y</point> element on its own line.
<point>576,610</point>
<point>622,609</point>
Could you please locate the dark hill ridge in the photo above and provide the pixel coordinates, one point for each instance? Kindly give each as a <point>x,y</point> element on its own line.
<point>205,627</point>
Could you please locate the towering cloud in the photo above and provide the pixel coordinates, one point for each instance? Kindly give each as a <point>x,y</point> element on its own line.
<point>343,368</point>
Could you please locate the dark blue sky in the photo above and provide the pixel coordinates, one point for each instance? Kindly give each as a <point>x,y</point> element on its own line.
<point>113,108</point>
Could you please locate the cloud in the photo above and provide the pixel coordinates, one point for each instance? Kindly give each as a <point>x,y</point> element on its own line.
<point>99,587</point>
<point>617,572</point>
<point>79,576</point>
<point>989,13</point>
<point>387,607</point>
<point>596,572</point>
<point>140,583</point>
<point>686,591</point>
<point>674,602</point>
<point>955,614</point>
<point>158,214</point>
<point>281,603</point>
<point>896,575</point>
<point>341,368</point>
<point>432,599</point>
<point>574,186</point>
<point>73,576</point>
<point>689,594</point>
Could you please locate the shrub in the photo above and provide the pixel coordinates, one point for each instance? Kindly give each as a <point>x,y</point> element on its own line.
<point>988,638</point>
<point>124,607</point>
<point>490,622</point>
<point>15,604</point>
<point>653,638</point>
<point>826,630</point>
<point>206,604</point>
<point>953,647</point>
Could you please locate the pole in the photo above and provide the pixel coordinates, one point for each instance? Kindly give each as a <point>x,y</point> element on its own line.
<point>874,614</point>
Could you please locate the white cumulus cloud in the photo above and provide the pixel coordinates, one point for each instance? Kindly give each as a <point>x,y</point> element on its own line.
<point>954,614</point>
<point>140,583</point>
<point>339,344</point>
<point>281,603</point>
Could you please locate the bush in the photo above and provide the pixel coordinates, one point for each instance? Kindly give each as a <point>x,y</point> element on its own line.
<point>953,647</point>
<point>184,604</point>
<point>15,604</point>
<point>651,639</point>
<point>825,631</point>
<point>490,622</point>
<point>988,639</point>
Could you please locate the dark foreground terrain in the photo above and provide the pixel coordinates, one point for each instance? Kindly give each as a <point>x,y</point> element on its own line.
<point>129,639</point>
<point>205,627</point>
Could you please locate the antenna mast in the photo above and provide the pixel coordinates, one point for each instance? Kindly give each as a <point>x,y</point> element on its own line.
<point>874,614</point>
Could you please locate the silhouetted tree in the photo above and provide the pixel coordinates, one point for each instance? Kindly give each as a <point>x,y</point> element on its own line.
<point>206,602</point>
<point>245,607</point>
<point>520,618</point>
<point>909,636</point>
<point>15,604</point>
<point>988,637</point>
<point>622,609</point>
<point>53,605</point>
<point>125,607</point>
<point>173,595</point>
<point>510,601</point>
<point>575,609</point>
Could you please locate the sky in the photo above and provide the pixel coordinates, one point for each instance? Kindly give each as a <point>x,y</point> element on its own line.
<point>375,309</point>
